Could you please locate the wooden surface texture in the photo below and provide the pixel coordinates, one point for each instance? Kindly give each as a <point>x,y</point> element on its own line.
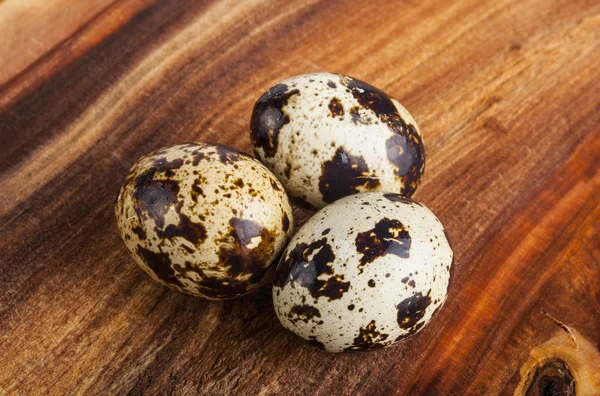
<point>507,95</point>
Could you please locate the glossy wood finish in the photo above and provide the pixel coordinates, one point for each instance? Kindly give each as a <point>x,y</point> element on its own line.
<point>505,93</point>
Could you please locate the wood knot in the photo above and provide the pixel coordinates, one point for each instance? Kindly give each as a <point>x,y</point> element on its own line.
<point>551,378</point>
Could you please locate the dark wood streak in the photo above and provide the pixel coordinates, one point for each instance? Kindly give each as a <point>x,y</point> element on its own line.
<point>521,205</point>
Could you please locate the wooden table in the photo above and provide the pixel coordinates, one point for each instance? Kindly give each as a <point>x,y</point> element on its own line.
<point>507,94</point>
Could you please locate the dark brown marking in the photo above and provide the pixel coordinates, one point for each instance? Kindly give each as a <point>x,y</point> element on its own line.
<point>412,310</point>
<point>551,378</point>
<point>188,249</point>
<point>387,237</point>
<point>196,191</point>
<point>285,222</point>
<point>336,108</point>
<point>268,118</point>
<point>412,331</point>
<point>357,118</point>
<point>351,307</point>
<point>239,182</point>
<point>245,266</point>
<point>140,232</point>
<point>154,197</point>
<point>303,313</point>
<point>407,153</point>
<point>371,283</point>
<point>275,185</point>
<point>227,155</point>
<point>162,165</point>
<point>326,231</point>
<point>160,264</point>
<point>193,232</point>
<point>369,338</point>
<point>197,157</point>
<point>343,175</point>
<point>298,270</point>
<point>405,148</point>
<point>331,84</point>
<point>399,198</point>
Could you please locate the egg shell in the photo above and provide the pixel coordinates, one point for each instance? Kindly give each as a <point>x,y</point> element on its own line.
<point>363,273</point>
<point>203,219</point>
<point>326,136</point>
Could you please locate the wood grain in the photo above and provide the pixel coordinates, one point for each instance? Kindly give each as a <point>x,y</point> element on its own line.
<point>505,92</point>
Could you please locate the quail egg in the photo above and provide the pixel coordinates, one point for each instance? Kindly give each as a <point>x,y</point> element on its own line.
<point>326,136</point>
<point>203,219</point>
<point>364,272</point>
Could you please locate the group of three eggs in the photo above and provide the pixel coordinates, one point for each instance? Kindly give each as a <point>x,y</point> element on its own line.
<point>369,268</point>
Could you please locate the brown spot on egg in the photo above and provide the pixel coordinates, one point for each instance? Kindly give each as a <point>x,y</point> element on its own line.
<point>193,232</point>
<point>197,157</point>
<point>160,264</point>
<point>139,231</point>
<point>154,197</point>
<point>162,165</point>
<point>407,153</point>
<point>357,117</point>
<point>399,198</point>
<point>336,108</point>
<point>412,310</point>
<point>245,258</point>
<point>285,222</point>
<point>387,237</point>
<point>304,267</point>
<point>275,185</point>
<point>268,118</point>
<point>196,191</point>
<point>368,338</point>
<point>227,155</point>
<point>405,148</point>
<point>188,249</point>
<point>303,313</point>
<point>331,84</point>
<point>372,98</point>
<point>343,175</point>
<point>410,332</point>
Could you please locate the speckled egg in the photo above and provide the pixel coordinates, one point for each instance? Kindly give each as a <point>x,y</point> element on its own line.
<point>364,272</point>
<point>203,219</point>
<point>326,136</point>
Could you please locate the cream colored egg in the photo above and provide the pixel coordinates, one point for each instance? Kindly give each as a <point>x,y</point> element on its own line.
<point>203,219</point>
<point>364,272</point>
<point>326,136</point>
